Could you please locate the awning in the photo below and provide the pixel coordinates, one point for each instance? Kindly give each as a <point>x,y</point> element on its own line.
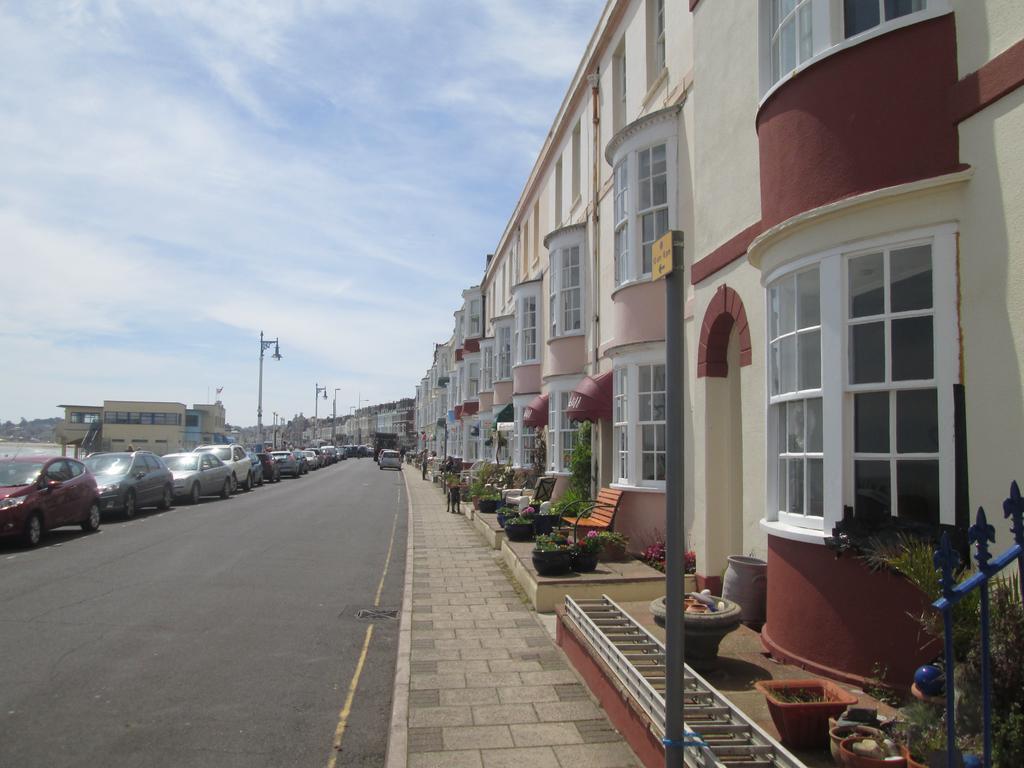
<point>592,399</point>
<point>505,415</point>
<point>536,413</point>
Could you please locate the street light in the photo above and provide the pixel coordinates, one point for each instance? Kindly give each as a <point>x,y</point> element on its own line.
<point>334,416</point>
<point>316,404</point>
<point>265,344</point>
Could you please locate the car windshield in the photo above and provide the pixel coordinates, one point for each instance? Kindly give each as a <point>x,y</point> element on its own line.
<point>19,472</point>
<point>311,453</point>
<point>222,452</point>
<point>389,454</point>
<point>108,465</point>
<point>182,463</point>
<point>280,454</point>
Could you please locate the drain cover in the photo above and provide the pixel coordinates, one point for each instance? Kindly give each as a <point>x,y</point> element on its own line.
<point>377,613</point>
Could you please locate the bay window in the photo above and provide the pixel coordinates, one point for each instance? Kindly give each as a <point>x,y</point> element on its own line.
<point>487,358</point>
<point>526,338</point>
<point>865,420</point>
<point>639,428</point>
<point>475,319</point>
<point>473,380</point>
<point>503,351</point>
<point>565,280</point>
<point>798,31</point>
<point>562,432</point>
<point>643,158</point>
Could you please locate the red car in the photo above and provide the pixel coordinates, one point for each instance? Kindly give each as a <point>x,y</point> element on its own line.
<point>38,493</point>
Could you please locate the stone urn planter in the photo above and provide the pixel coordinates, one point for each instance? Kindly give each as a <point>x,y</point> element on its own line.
<point>801,709</point>
<point>746,583</point>
<point>704,629</point>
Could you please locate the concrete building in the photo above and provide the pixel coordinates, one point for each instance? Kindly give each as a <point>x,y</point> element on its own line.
<point>848,177</point>
<point>160,427</point>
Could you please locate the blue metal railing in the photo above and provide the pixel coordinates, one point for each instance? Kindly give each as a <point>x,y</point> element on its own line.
<point>981,534</point>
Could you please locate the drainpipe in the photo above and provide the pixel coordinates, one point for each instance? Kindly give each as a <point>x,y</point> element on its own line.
<point>595,245</point>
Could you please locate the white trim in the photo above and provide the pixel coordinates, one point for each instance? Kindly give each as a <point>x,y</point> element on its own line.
<point>793,533</point>
<point>637,488</point>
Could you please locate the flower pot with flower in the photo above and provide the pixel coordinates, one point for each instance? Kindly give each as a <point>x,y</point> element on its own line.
<point>519,528</point>
<point>551,555</point>
<point>585,551</point>
<point>613,547</point>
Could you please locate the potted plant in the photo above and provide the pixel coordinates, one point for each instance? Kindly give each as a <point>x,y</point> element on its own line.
<point>476,490</point>
<point>544,520</point>
<point>584,553</point>
<point>801,709</point>
<point>489,499</point>
<point>613,547</point>
<point>519,528</point>
<point>551,555</point>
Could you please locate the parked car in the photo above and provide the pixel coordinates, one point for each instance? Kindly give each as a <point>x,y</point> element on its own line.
<point>130,481</point>
<point>39,493</point>
<point>390,460</point>
<point>331,452</point>
<point>312,459</point>
<point>257,468</point>
<point>287,463</point>
<point>199,474</point>
<point>300,456</point>
<point>271,469</point>
<point>235,457</point>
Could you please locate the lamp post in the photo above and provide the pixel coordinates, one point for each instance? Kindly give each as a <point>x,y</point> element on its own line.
<point>265,344</point>
<point>316,405</point>
<point>275,430</point>
<point>334,416</point>
<point>359,419</point>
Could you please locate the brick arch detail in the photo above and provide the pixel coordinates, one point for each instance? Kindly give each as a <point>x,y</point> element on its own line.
<point>724,313</point>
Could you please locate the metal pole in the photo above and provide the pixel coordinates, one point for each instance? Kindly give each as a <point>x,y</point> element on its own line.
<point>675,534</point>
<point>259,403</point>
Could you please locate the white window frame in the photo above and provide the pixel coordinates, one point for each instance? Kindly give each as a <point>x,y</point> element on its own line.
<point>487,361</point>
<point>475,320</point>
<point>828,35</point>
<point>565,300</point>
<point>562,432</point>
<point>527,338</point>
<point>628,434</point>
<point>473,380</point>
<point>648,184</point>
<point>655,40</point>
<point>503,349</point>
<point>838,396</point>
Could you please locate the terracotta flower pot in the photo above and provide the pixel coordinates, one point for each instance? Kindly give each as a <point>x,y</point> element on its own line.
<point>612,553</point>
<point>804,725</point>
<point>837,733</point>
<point>853,760</point>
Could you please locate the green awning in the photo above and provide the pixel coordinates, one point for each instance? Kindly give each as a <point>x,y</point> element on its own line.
<point>506,414</point>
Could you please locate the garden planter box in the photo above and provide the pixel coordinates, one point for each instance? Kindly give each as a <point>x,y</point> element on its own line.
<point>804,725</point>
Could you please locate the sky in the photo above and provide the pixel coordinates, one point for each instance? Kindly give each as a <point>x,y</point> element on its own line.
<point>177,176</point>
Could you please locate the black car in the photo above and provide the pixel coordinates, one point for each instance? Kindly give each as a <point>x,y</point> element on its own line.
<point>129,481</point>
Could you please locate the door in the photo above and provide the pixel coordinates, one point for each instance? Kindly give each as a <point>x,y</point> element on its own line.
<point>57,505</point>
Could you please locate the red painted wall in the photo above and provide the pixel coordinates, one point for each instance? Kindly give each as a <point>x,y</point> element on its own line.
<point>871,116</point>
<point>835,617</point>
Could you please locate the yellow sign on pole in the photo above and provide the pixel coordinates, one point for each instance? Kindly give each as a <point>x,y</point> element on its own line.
<point>661,251</point>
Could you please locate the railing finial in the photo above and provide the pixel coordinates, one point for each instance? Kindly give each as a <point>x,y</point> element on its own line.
<point>981,534</point>
<point>946,559</point>
<point>1013,508</point>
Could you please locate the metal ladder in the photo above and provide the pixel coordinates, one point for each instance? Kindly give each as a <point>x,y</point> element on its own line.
<point>638,660</point>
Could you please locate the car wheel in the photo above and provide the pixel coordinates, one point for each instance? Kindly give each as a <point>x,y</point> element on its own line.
<point>226,490</point>
<point>247,484</point>
<point>194,494</point>
<point>233,483</point>
<point>165,500</point>
<point>129,505</point>
<point>33,532</point>
<point>91,524</point>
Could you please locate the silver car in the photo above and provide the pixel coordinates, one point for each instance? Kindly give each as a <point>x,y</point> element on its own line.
<point>199,474</point>
<point>235,457</point>
<point>390,460</point>
<point>313,458</point>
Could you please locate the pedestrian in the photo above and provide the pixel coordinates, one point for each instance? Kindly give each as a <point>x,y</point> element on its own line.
<point>424,462</point>
<point>454,492</point>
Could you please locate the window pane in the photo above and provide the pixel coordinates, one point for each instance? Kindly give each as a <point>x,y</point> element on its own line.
<point>658,164</point>
<point>645,378</point>
<point>867,290</point>
<point>796,486</point>
<point>896,8</point>
<point>658,407</point>
<point>867,353</point>
<point>660,189</point>
<point>813,416</point>
<point>780,425</point>
<point>773,312</point>
<point>647,437</point>
<point>787,46</point>
<point>795,426</point>
<point>774,381</point>
<point>787,305</point>
<point>645,407</point>
<point>871,422</point>
<point>787,363</point>
<point>648,466</point>
<point>806,40</point>
<point>917,484</point>
<point>872,487</point>
<point>910,277</point>
<point>783,497</point>
<point>917,421</point>
<point>912,349</point>
<point>807,302</point>
<point>815,488</point>
<point>859,15</point>
<point>809,354</point>
<point>658,378</point>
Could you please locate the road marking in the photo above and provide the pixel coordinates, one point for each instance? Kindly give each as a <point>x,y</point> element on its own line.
<point>346,710</point>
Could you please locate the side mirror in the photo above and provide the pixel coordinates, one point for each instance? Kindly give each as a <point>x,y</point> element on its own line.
<point>139,475</point>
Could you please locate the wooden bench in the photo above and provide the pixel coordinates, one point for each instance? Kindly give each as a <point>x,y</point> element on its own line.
<point>597,515</point>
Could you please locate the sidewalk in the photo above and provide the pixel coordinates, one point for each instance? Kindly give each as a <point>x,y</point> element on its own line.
<point>479,682</point>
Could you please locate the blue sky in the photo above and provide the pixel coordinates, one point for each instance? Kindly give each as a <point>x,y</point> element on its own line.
<point>177,176</point>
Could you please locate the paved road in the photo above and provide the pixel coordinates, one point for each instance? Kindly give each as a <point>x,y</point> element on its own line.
<point>218,635</point>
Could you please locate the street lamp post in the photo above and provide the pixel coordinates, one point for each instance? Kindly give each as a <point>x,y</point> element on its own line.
<point>275,431</point>
<point>334,416</point>
<point>316,404</point>
<point>265,344</point>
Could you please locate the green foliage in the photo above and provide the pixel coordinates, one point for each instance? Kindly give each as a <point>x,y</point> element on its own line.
<point>611,538</point>
<point>550,542</point>
<point>569,503</point>
<point>579,463</point>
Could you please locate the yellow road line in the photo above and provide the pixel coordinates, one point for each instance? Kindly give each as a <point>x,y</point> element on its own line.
<point>347,709</point>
